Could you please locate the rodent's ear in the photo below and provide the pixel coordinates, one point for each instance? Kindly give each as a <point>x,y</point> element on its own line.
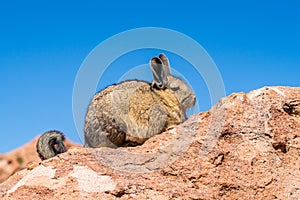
<point>159,72</point>
<point>166,63</point>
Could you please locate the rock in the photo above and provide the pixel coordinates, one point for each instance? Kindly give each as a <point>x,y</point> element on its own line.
<point>25,156</point>
<point>246,147</point>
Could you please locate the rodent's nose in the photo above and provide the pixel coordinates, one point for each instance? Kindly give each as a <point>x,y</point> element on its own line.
<point>194,100</point>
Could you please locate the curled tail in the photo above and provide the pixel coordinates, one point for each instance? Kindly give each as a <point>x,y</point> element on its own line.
<point>50,144</point>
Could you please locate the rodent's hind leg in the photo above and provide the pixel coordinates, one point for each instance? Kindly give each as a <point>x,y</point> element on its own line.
<point>100,130</point>
<point>100,138</point>
<point>95,137</point>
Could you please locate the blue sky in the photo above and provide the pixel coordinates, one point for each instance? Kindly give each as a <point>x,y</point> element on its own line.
<point>42,45</point>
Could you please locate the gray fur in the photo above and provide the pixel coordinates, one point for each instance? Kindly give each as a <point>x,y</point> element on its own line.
<point>133,111</point>
<point>50,144</point>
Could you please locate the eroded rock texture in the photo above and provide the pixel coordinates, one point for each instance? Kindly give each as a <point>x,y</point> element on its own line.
<point>246,147</point>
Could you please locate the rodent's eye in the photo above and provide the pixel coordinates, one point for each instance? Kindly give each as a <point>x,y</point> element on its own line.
<point>175,89</point>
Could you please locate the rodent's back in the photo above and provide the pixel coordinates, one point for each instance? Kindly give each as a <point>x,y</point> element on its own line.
<point>105,112</point>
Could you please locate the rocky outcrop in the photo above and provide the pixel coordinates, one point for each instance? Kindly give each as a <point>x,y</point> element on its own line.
<point>18,159</point>
<point>246,147</point>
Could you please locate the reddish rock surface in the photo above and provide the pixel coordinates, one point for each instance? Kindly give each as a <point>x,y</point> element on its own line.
<point>245,147</point>
<point>16,160</point>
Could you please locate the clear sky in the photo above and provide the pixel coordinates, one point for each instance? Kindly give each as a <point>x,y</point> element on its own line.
<point>43,44</point>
